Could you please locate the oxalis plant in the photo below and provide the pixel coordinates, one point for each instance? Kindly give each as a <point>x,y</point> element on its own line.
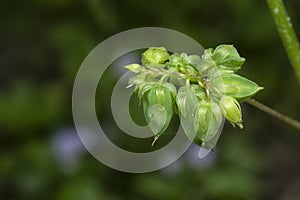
<point>201,90</point>
<point>205,90</point>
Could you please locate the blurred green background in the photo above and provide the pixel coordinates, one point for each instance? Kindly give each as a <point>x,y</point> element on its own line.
<point>43,44</point>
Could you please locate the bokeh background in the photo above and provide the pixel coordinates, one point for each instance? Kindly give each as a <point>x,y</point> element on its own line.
<point>42,45</point>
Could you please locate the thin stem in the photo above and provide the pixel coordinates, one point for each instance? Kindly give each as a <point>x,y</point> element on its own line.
<point>286,32</point>
<point>274,113</point>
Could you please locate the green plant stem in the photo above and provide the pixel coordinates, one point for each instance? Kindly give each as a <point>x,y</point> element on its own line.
<point>274,113</point>
<point>287,33</point>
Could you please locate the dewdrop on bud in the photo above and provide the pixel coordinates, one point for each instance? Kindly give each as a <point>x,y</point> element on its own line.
<point>155,55</point>
<point>135,68</point>
<point>231,110</point>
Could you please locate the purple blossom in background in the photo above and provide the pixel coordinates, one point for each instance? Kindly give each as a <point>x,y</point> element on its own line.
<point>67,149</point>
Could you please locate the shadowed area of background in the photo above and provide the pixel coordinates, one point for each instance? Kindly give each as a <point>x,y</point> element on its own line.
<point>43,44</point>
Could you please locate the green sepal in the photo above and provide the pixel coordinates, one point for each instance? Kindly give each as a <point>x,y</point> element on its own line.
<point>208,120</point>
<point>210,144</point>
<point>231,110</point>
<point>158,108</point>
<point>238,87</point>
<point>187,103</point>
<point>227,57</point>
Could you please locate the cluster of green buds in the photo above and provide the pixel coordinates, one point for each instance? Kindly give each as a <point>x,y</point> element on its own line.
<point>201,90</point>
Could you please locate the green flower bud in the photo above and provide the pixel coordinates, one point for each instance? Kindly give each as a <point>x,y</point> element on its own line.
<point>231,110</point>
<point>185,64</point>
<point>155,55</point>
<point>186,101</point>
<point>158,108</point>
<point>236,86</point>
<point>208,120</point>
<point>202,81</point>
<point>135,68</point>
<point>227,57</point>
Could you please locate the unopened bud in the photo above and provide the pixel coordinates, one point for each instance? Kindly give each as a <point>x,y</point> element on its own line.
<point>208,120</point>
<point>135,68</point>
<point>155,55</point>
<point>237,86</point>
<point>227,57</point>
<point>231,110</point>
<point>158,108</point>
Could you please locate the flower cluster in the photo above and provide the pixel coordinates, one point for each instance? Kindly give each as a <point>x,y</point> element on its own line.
<point>201,90</point>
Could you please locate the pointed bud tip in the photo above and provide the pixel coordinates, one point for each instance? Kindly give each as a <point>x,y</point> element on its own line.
<point>231,110</point>
<point>135,68</point>
<point>240,125</point>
